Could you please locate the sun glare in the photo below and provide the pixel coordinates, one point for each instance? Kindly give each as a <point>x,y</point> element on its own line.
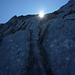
<point>41,14</point>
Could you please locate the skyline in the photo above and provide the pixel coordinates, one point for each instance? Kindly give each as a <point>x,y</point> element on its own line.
<point>25,7</point>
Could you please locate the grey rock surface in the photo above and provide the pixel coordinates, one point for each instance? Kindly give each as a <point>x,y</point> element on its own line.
<point>30,45</point>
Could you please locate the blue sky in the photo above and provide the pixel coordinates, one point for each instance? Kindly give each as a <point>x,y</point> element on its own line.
<point>9,8</point>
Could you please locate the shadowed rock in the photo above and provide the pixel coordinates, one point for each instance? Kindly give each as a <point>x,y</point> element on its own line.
<point>30,45</point>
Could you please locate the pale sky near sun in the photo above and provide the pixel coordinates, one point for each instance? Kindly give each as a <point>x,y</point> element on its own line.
<point>9,8</point>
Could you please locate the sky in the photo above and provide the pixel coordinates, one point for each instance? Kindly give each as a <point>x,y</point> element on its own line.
<point>9,8</point>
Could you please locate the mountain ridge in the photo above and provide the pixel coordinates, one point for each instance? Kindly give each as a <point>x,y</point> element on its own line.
<point>30,45</point>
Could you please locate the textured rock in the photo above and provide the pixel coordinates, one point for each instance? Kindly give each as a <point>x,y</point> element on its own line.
<point>30,45</point>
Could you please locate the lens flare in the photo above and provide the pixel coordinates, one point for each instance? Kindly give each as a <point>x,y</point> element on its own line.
<point>41,14</point>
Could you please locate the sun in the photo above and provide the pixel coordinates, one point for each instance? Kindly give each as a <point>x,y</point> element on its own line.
<point>41,14</point>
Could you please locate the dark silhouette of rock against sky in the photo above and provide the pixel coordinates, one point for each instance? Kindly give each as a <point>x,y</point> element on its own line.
<point>30,45</point>
<point>9,8</point>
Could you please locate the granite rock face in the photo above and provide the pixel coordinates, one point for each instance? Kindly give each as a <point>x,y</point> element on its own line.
<point>30,45</point>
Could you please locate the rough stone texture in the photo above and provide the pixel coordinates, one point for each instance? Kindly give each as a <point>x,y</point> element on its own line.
<point>30,45</point>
